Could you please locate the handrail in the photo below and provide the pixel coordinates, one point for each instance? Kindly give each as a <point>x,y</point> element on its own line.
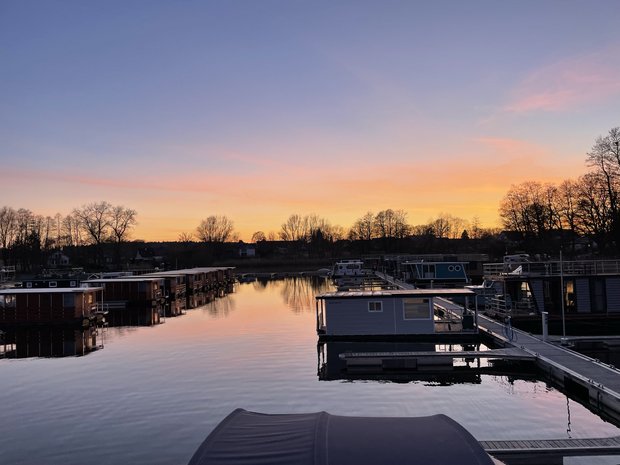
<point>553,268</point>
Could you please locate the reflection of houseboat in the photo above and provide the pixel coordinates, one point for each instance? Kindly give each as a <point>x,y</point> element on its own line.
<point>430,275</point>
<point>396,361</point>
<point>45,305</point>
<point>49,341</point>
<point>588,289</point>
<point>395,313</point>
<point>349,268</point>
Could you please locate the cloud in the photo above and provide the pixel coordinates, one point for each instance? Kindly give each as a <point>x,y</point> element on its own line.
<point>567,84</point>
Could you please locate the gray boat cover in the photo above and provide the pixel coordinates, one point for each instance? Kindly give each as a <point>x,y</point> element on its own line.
<point>249,438</point>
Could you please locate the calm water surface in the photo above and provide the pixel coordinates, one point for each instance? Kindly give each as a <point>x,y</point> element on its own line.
<point>152,394</point>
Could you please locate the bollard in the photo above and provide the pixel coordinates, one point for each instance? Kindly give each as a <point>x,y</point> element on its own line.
<point>545,326</point>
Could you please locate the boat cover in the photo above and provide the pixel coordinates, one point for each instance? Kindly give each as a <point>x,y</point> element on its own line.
<point>249,438</point>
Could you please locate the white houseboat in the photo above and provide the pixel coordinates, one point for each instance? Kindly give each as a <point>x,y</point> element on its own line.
<point>349,268</point>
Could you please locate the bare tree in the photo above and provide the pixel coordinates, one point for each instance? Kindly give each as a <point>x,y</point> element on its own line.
<point>529,208</point>
<point>593,215</point>
<point>259,236</point>
<point>363,228</point>
<point>215,228</point>
<point>604,157</point>
<point>121,221</point>
<point>295,228</point>
<point>94,219</point>
<point>71,231</point>
<point>186,237</point>
<point>8,223</point>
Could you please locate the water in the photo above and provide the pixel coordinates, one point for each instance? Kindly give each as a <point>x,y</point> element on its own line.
<point>152,394</point>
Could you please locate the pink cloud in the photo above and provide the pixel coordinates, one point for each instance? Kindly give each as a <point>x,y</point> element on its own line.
<point>569,83</point>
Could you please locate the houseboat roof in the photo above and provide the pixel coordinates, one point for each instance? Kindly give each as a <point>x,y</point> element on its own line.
<point>319,438</point>
<point>131,279</point>
<point>50,290</point>
<point>433,262</point>
<point>397,293</point>
<point>190,271</point>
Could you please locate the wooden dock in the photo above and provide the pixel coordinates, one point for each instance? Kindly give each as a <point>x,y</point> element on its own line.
<point>550,451</point>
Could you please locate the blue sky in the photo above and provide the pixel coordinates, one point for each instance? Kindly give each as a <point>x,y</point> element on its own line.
<point>260,109</point>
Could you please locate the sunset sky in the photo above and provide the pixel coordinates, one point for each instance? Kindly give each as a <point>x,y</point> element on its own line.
<point>258,109</point>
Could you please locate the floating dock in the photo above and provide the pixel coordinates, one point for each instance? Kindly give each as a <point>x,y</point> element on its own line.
<point>595,383</point>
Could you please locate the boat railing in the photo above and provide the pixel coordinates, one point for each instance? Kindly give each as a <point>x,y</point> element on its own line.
<point>552,268</point>
<point>7,273</point>
<point>503,306</point>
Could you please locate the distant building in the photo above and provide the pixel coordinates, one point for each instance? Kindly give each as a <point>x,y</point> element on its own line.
<point>246,250</point>
<point>58,259</point>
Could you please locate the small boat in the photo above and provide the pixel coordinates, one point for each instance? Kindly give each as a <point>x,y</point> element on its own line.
<point>245,437</point>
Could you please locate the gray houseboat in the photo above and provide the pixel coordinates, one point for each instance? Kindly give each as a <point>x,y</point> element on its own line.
<point>420,312</point>
<point>586,289</point>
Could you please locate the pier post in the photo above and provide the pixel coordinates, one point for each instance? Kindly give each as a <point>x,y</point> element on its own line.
<point>545,326</point>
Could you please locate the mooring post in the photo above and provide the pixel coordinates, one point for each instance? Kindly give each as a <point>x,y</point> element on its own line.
<point>545,326</point>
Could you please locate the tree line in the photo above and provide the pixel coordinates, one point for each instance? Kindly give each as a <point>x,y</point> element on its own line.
<point>386,225</point>
<point>24,234</point>
<point>586,207</point>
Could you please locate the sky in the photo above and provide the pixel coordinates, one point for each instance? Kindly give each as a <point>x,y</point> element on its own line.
<point>258,109</point>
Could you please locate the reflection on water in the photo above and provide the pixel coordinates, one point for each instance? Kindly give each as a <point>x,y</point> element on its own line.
<point>134,317</point>
<point>357,360</point>
<point>176,381</point>
<point>52,341</point>
<point>299,292</point>
<point>220,308</point>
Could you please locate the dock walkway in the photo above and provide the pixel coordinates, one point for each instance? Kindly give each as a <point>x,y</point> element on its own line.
<point>550,451</point>
<point>593,381</point>
<point>589,378</point>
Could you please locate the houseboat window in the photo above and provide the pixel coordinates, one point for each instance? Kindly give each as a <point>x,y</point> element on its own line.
<point>68,300</point>
<point>416,309</point>
<point>7,301</point>
<point>29,285</point>
<point>598,298</point>
<point>375,306</point>
<point>73,283</point>
<point>53,284</point>
<point>89,298</point>
<point>569,296</point>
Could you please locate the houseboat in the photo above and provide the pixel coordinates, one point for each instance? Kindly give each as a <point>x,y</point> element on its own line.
<point>430,275</point>
<point>136,292</point>
<point>349,268</point>
<point>584,290</point>
<point>20,306</point>
<point>197,285</point>
<point>385,313</point>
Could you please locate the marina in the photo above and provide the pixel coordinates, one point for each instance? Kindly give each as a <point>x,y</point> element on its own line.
<point>257,348</point>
